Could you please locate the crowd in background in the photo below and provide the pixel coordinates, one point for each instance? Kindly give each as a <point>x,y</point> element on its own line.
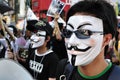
<point>18,46</point>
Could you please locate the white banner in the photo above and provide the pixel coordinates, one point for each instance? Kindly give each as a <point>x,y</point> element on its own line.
<point>31,15</point>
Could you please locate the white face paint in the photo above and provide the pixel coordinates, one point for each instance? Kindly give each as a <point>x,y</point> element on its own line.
<point>11,30</point>
<point>85,49</point>
<point>38,39</point>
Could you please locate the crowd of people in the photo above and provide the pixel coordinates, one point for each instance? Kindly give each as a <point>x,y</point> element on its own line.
<point>87,48</point>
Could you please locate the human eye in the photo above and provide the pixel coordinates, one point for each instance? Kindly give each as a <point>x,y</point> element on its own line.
<point>38,34</point>
<point>85,32</point>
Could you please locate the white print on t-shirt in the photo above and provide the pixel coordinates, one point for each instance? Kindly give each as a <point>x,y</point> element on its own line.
<point>38,67</point>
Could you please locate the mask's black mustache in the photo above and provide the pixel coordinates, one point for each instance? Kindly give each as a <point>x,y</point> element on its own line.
<point>76,48</point>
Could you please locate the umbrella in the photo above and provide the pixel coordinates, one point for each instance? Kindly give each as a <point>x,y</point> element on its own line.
<point>11,70</point>
<point>4,7</point>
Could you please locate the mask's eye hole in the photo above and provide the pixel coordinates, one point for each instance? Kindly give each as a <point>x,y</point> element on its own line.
<point>37,34</point>
<point>34,39</point>
<point>85,32</point>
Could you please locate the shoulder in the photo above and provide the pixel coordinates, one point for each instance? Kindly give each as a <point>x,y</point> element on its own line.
<point>115,74</point>
<point>116,69</point>
<point>51,55</point>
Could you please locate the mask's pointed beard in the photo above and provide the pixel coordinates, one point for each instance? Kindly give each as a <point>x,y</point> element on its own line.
<point>73,59</point>
<point>31,45</point>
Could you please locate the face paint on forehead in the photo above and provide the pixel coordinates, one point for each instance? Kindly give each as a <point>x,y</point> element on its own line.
<point>85,22</point>
<point>41,33</point>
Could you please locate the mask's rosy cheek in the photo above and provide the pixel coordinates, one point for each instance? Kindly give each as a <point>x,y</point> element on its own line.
<point>92,42</point>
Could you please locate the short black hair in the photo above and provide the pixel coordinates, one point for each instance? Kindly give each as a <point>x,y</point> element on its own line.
<point>98,8</point>
<point>31,25</point>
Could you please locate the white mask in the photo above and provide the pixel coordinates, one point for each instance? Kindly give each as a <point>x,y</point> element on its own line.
<point>38,39</point>
<point>84,48</point>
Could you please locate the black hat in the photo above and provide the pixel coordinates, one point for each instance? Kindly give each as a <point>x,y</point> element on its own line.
<point>31,25</point>
<point>44,26</point>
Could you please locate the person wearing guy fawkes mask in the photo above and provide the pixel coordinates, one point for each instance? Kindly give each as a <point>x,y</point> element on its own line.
<point>42,61</point>
<point>91,24</point>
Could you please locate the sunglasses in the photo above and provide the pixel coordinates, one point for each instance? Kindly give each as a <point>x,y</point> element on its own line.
<point>80,33</point>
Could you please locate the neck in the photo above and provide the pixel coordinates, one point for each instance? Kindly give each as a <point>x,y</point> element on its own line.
<point>41,50</point>
<point>94,68</point>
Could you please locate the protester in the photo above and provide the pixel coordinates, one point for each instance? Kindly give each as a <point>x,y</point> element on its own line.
<point>91,24</point>
<point>8,40</point>
<point>58,40</point>
<point>12,42</point>
<point>42,61</point>
<point>24,42</point>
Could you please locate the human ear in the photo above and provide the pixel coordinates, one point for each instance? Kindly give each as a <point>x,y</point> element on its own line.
<point>48,39</point>
<point>107,38</point>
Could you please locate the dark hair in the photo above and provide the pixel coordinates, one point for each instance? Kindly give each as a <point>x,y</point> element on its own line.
<point>31,25</point>
<point>98,8</point>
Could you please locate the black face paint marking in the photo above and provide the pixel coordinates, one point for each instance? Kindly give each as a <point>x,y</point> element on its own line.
<point>83,25</point>
<point>77,49</point>
<point>79,26</point>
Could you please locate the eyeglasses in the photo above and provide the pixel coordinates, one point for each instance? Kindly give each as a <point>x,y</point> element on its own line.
<point>80,33</point>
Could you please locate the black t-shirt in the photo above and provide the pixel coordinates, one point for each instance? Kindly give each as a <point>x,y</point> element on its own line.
<point>58,46</point>
<point>76,76</point>
<point>42,66</point>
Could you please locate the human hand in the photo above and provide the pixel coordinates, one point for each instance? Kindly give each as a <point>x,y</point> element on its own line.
<point>56,16</point>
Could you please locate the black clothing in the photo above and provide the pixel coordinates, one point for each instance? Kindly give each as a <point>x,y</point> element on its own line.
<point>59,48</point>
<point>76,76</point>
<point>42,66</point>
<point>111,72</point>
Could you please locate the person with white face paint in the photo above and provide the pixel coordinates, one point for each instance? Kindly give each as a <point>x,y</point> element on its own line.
<point>91,24</point>
<point>42,61</point>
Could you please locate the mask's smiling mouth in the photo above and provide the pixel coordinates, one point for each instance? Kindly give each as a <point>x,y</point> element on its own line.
<point>77,49</point>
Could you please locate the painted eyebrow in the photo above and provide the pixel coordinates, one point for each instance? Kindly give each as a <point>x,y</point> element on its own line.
<point>84,25</point>
<point>70,25</point>
<point>79,26</point>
